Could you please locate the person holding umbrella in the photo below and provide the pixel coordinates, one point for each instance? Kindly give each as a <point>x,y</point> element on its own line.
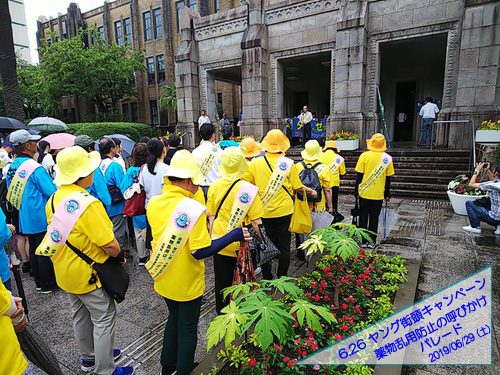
<point>29,188</point>
<point>93,309</point>
<point>373,183</point>
<point>12,320</point>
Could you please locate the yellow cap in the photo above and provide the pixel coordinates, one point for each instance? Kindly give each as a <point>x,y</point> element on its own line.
<point>275,141</point>
<point>376,143</point>
<point>312,150</point>
<point>330,144</point>
<point>232,164</point>
<point>74,163</point>
<point>184,165</point>
<point>250,147</point>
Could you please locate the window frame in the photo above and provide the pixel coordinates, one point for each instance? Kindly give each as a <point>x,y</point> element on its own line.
<point>148,31</point>
<point>157,26</point>
<point>150,62</point>
<point>153,112</point>
<point>160,72</point>
<point>177,9</point>
<point>119,35</point>
<point>127,37</point>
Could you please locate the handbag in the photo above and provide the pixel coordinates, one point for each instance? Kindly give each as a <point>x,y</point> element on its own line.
<point>301,218</point>
<point>135,199</point>
<point>262,249</point>
<point>321,219</point>
<point>244,272</point>
<point>115,194</point>
<point>113,277</point>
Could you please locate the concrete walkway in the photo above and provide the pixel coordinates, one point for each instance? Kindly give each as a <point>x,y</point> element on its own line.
<point>426,230</point>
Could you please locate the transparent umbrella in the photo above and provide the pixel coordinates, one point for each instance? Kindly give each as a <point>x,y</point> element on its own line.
<point>48,124</point>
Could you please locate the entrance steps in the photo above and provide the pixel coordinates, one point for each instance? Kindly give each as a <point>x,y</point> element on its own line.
<point>419,173</point>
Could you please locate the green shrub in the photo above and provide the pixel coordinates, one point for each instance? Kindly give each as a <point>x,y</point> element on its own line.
<point>96,130</point>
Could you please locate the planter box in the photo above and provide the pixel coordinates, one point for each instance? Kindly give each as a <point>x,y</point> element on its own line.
<point>458,201</point>
<point>488,136</point>
<point>348,145</point>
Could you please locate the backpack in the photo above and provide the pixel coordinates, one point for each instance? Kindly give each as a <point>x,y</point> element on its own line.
<point>310,178</point>
<point>11,213</point>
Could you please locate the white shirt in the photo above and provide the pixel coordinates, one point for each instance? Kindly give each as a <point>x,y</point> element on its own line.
<point>47,162</point>
<point>429,110</point>
<point>4,158</point>
<point>153,183</point>
<point>200,153</point>
<point>119,160</point>
<point>203,120</point>
<point>305,118</point>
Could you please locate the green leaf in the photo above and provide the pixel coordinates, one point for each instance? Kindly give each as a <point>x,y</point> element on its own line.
<point>238,289</point>
<point>226,326</point>
<point>311,313</point>
<point>285,285</point>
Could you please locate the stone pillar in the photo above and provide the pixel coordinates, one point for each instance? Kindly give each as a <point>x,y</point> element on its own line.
<point>187,79</point>
<point>254,85</point>
<point>106,19</point>
<point>350,66</point>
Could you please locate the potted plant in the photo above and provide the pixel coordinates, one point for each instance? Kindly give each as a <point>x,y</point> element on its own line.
<point>346,140</point>
<point>488,132</point>
<point>459,192</point>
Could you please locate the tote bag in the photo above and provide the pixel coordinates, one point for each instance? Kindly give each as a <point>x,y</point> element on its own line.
<point>301,217</point>
<point>321,219</point>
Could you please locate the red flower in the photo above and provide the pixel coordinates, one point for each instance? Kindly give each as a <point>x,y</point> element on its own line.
<point>310,335</point>
<point>337,337</point>
<point>329,274</point>
<point>286,359</point>
<point>344,306</point>
<point>366,272</point>
<point>252,362</point>
<point>367,292</point>
<point>359,282</point>
<point>326,298</point>
<point>344,328</point>
<point>304,353</point>
<point>269,372</point>
<point>317,297</point>
<point>350,299</point>
<point>290,364</point>
<point>326,269</point>
<point>277,347</point>
<point>314,284</point>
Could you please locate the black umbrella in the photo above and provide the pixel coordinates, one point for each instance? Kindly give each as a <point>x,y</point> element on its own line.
<point>355,212</point>
<point>11,124</point>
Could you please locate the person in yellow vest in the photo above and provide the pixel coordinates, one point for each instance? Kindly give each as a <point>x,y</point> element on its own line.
<point>180,243</point>
<point>373,183</point>
<point>311,156</point>
<point>336,164</point>
<point>231,202</point>
<point>277,178</point>
<point>251,149</point>
<point>12,320</point>
<point>86,228</point>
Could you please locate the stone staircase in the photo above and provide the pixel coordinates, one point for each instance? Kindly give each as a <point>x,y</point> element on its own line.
<point>419,173</point>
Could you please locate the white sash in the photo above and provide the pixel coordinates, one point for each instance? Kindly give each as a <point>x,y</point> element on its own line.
<point>378,171</point>
<point>19,182</point>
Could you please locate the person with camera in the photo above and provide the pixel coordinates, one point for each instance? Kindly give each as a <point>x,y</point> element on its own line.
<point>479,212</point>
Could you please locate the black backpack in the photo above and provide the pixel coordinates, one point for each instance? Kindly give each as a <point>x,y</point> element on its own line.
<point>11,213</point>
<point>310,178</point>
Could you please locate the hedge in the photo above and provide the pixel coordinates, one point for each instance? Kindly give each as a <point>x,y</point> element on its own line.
<point>96,130</point>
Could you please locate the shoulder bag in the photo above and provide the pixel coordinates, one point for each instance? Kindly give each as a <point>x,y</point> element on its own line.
<point>135,198</point>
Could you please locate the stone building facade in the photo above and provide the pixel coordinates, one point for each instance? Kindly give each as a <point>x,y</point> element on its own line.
<point>334,54</point>
<point>147,25</point>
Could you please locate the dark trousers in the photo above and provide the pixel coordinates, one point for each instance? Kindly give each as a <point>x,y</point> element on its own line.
<point>181,335</point>
<point>42,267</point>
<point>277,231</point>
<point>477,214</point>
<point>306,133</point>
<point>335,198</point>
<point>149,235</point>
<point>369,211</point>
<point>224,271</point>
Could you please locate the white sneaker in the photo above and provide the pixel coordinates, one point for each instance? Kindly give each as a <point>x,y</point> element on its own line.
<point>497,231</point>
<point>470,229</point>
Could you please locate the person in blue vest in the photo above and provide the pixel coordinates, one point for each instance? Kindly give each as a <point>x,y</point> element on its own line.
<point>113,175</point>
<point>37,189</point>
<point>98,189</point>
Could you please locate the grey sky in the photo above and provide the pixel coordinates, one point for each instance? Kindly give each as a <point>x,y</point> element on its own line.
<point>50,8</point>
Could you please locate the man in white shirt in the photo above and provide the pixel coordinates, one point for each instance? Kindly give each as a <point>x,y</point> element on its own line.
<point>5,152</point>
<point>305,119</point>
<point>207,155</point>
<point>203,119</point>
<point>428,113</point>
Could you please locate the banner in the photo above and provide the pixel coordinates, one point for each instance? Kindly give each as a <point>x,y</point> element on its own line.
<point>318,129</point>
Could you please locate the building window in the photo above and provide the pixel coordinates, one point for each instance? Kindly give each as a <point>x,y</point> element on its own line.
<point>134,111</point>
<point>150,62</point>
<point>153,110</point>
<point>125,113</point>
<point>157,23</point>
<point>118,33</point>
<point>178,6</point>
<point>148,30</point>
<point>163,118</point>
<point>160,67</point>
<point>100,30</point>
<point>128,30</point>
<point>217,6</point>
<point>193,4</point>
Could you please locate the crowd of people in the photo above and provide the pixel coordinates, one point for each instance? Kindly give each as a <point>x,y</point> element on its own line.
<point>199,204</point>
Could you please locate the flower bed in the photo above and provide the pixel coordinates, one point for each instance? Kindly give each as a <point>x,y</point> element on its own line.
<point>488,132</point>
<point>348,290</point>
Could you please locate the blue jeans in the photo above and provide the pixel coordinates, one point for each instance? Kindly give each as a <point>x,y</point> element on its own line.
<point>427,130</point>
<point>477,214</point>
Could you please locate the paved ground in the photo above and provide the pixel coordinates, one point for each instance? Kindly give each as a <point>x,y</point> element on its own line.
<point>426,230</point>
